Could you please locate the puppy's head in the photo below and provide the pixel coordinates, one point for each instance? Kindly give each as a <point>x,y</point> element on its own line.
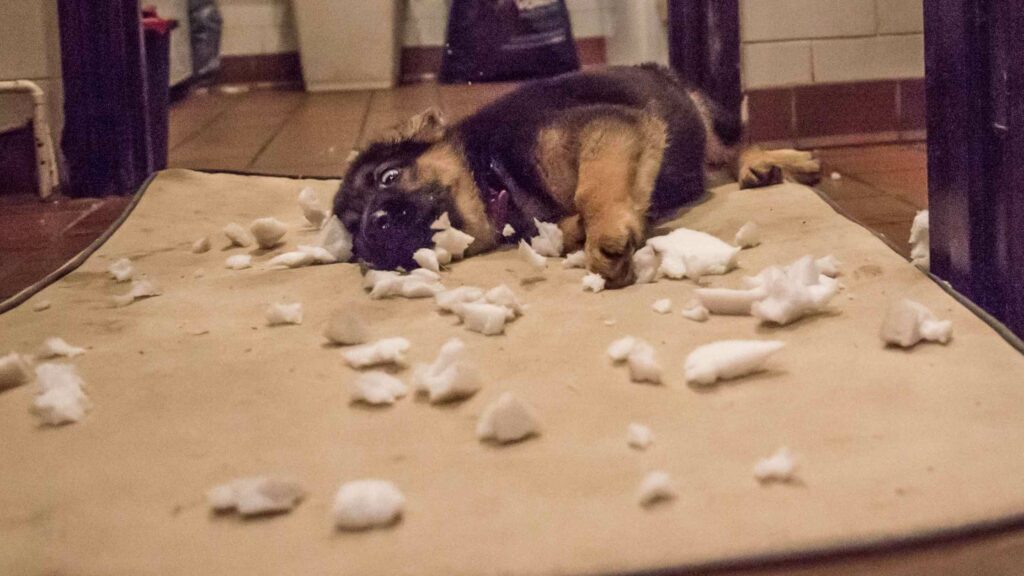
<point>396,188</point>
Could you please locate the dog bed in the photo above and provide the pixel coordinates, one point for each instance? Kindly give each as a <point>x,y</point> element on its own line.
<point>192,389</point>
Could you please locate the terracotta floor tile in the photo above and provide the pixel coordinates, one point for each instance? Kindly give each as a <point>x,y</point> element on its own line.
<point>877,210</point>
<point>322,130</point>
<point>189,116</point>
<point>881,158</point>
<point>331,171</point>
<point>910,185</point>
<point>848,187</point>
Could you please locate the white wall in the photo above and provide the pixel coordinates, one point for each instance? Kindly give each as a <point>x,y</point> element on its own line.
<point>31,51</point>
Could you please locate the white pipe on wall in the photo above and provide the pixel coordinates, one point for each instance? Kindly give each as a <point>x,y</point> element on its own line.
<point>46,160</point>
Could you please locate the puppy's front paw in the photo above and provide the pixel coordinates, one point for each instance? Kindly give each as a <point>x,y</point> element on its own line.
<point>611,256</point>
<point>759,168</point>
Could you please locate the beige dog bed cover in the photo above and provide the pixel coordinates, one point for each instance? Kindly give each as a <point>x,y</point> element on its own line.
<point>192,389</point>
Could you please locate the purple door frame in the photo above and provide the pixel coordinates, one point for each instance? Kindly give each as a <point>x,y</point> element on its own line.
<point>704,47</point>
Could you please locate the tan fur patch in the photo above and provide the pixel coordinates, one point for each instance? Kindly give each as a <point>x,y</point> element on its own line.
<point>445,164</point>
<point>716,153</point>
<point>555,158</point>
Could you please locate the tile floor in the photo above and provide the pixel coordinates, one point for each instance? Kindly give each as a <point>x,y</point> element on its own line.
<point>299,134</point>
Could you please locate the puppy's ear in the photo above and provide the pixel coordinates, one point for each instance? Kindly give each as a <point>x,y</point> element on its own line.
<point>427,126</point>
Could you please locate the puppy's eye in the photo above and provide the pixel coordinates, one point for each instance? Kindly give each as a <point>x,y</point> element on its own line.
<point>389,177</point>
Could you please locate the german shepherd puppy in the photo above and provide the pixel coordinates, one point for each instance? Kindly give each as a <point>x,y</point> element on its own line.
<point>604,154</point>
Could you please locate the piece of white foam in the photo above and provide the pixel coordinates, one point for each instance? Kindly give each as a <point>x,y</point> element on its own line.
<point>789,296</point>
<point>294,259</point>
<point>56,347</point>
<point>695,311</point>
<point>748,236</point>
<point>335,239</point>
<point>122,270</point>
<point>443,222</point>
<point>638,436</point>
<point>483,317</point>
<point>907,322</point>
<point>692,254</point>
<point>427,259</point>
<point>728,359</point>
<point>729,302</point>
<point>531,256</point>
<point>920,251</point>
<point>377,388</point>
<point>662,306</point>
<point>449,378</point>
<point>140,289</point>
<point>384,351</point>
<point>268,232</point>
<point>41,305</point>
<point>577,259</point>
<point>256,496</point>
<point>639,356</point>
<point>507,420</point>
<point>549,241</point>
<point>15,371</point>
<point>829,266</point>
<point>448,300</point>
<point>836,176</point>
<point>281,314</point>
<point>61,398</point>
<point>450,239</point>
<point>238,262</point>
<point>619,350</point>
<point>319,254</point>
<point>656,488</point>
<point>238,236</point>
<point>309,202</point>
<point>202,245</point>
<point>646,262</point>
<point>502,295</point>
<point>779,467</point>
<point>593,282</point>
<point>421,283</point>
<point>345,328</point>
<point>508,231</point>
<point>365,504</point>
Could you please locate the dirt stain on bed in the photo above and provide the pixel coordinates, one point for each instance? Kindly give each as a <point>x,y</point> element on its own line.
<point>868,271</point>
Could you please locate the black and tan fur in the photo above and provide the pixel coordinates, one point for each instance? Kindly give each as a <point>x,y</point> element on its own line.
<point>604,154</point>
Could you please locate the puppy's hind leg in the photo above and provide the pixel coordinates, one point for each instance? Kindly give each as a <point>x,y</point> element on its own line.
<point>756,168</point>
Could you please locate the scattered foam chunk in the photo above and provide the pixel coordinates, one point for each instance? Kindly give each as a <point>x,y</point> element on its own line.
<point>778,467</point>
<point>662,306</point>
<point>346,329</point>
<point>593,282</point>
<point>238,262</point>
<point>729,302</point>
<point>485,318</point>
<point>619,350</point>
<point>258,496</point>
<point>268,232</point>
<point>238,236</point>
<point>794,292</point>
<point>444,257</point>
<point>427,259</point>
<point>507,420</point>
<point>656,488</point>
<point>907,323</point>
<point>549,239</point>
<point>727,359</point>
<point>695,311</point>
<point>309,202</point>
<point>638,436</point>
<point>836,176</point>
<point>748,236</point>
<point>319,254</point>
<point>295,259</point>
<point>691,254</point>
<point>531,256</point>
<point>443,222</point>
<point>61,398</point>
<point>202,245</point>
<point>377,388</point>
<point>646,263</point>
<point>508,231</point>
<point>384,351</point>
<point>41,305</point>
<point>610,322</point>
<point>829,266</point>
<point>335,239</point>
<point>365,504</point>
<point>420,283</point>
<point>920,251</point>
<point>448,378</point>
<point>56,347</point>
<point>14,371</point>
<point>452,240</point>
<point>449,300</point>
<point>122,270</point>
<point>140,289</point>
<point>282,314</point>
<point>639,356</point>
<point>502,295</point>
<point>577,259</point>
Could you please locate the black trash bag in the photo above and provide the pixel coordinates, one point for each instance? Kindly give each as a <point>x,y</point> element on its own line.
<point>205,23</point>
<point>508,40</point>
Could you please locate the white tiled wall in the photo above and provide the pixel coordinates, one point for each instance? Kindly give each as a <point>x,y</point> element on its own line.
<point>792,42</point>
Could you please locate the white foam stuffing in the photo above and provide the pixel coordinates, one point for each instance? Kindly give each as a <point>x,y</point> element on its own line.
<point>531,256</point>
<point>638,436</point>
<point>549,240</point>
<point>14,371</point>
<point>452,240</point>
<point>829,266</point>
<point>365,504</point>
<point>593,282</point>
<point>449,378</point>
<point>257,496</point>
<point>346,329</point>
<point>443,222</point>
<point>61,398</point>
<point>695,311</point>
<point>779,467</point>
<point>41,305</point>
<point>729,302</point>
<point>421,283</point>
<point>202,245</point>
<point>656,488</point>
<point>295,259</point>
<point>920,251</point>
<point>793,292</point>
<point>309,202</point>
<point>907,322</point>
<point>507,420</point>
<point>377,388</point>
<point>384,351</point>
<point>140,289</point>
<point>577,259</point>
<point>748,236</point>
<point>662,306</point>
<point>122,270</point>
<point>619,350</point>
<point>691,254</point>
<point>427,259</point>
<point>836,176</point>
<point>282,314</point>
<point>238,262</point>
<point>319,254</point>
<point>56,347</point>
<point>502,295</point>
<point>268,232</point>
<point>483,317</point>
<point>639,356</point>
<point>335,239</point>
<point>508,231</point>
<point>646,263</point>
<point>728,359</point>
<point>449,300</point>
<point>238,236</point>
